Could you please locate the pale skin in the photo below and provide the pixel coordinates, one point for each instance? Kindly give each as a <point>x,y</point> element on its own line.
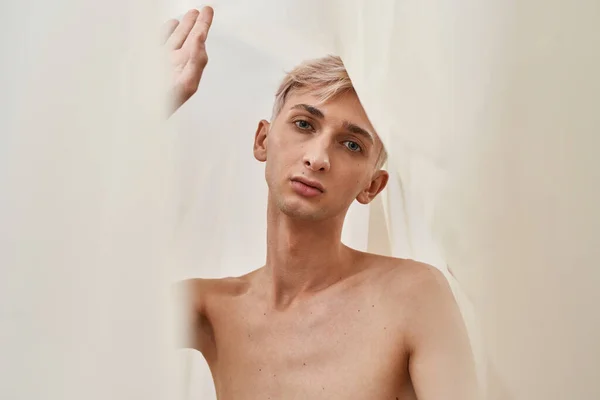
<point>320,320</point>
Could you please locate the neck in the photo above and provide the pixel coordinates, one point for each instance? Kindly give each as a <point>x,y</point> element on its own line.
<point>303,256</point>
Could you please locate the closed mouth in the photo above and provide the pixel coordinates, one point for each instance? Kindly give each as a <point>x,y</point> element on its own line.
<point>307,182</point>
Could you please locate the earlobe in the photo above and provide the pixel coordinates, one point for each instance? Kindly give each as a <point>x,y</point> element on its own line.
<point>362,198</point>
<point>378,183</point>
<point>260,140</point>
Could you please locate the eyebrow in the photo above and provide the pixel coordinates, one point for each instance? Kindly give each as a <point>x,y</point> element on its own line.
<point>312,110</point>
<point>358,130</point>
<point>350,127</point>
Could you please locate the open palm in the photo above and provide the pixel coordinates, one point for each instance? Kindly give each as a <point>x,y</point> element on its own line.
<point>186,44</point>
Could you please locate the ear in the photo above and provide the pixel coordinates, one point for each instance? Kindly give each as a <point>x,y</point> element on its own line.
<point>260,140</point>
<point>378,183</point>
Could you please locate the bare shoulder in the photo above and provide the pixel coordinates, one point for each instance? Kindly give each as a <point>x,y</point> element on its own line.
<point>416,287</point>
<point>419,296</point>
<point>422,292</point>
<point>215,285</point>
<point>421,279</point>
<point>194,298</point>
<point>197,290</point>
<point>406,275</point>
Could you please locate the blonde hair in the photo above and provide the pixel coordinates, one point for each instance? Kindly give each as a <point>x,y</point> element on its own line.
<point>325,78</point>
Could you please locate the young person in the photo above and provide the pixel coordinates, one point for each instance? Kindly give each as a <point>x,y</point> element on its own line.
<point>320,320</point>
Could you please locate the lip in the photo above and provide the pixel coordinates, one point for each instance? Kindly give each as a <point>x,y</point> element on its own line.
<point>310,183</point>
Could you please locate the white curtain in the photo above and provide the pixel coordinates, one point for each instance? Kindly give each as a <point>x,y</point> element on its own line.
<point>85,207</point>
<point>489,113</point>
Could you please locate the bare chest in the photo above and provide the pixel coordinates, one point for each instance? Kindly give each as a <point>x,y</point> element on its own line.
<point>336,347</point>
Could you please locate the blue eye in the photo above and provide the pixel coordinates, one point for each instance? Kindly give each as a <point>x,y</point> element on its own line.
<point>352,146</point>
<point>302,124</point>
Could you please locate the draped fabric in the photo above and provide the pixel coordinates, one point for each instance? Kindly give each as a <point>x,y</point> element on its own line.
<point>85,209</point>
<point>488,111</point>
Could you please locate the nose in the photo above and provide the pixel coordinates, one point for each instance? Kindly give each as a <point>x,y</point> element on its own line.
<point>316,157</point>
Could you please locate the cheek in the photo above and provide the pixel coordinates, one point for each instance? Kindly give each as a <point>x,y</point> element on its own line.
<point>284,152</point>
<point>279,161</point>
<point>352,181</point>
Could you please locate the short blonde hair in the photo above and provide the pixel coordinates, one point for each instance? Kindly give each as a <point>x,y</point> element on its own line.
<point>325,78</point>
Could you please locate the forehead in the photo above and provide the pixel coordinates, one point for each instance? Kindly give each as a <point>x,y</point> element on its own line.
<point>343,107</point>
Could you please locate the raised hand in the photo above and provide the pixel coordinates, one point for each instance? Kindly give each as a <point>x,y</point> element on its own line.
<point>186,45</point>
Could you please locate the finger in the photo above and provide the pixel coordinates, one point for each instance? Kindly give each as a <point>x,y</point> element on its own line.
<point>169,28</point>
<point>198,58</point>
<point>183,29</point>
<point>203,23</point>
<point>195,41</point>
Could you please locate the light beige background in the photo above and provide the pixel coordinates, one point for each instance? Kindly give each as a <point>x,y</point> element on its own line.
<point>489,111</point>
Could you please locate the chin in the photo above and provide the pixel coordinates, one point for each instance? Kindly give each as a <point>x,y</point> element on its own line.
<point>297,210</point>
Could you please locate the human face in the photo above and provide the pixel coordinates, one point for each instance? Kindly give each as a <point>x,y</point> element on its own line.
<point>320,156</point>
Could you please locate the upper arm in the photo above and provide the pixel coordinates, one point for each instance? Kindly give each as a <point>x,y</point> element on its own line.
<point>441,363</point>
<point>189,295</point>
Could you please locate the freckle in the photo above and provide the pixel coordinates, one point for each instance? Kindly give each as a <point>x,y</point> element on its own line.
<point>384,327</point>
<point>274,375</point>
<point>265,313</point>
<point>373,305</point>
